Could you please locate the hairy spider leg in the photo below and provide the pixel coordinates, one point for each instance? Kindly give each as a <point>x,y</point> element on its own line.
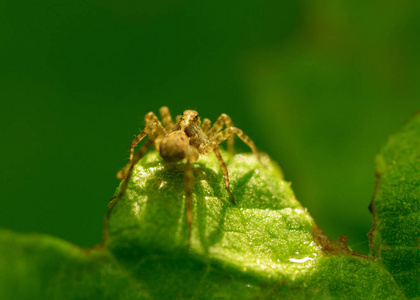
<point>192,156</point>
<point>224,170</point>
<point>154,130</point>
<point>177,118</point>
<point>132,164</point>
<point>205,127</point>
<point>225,134</point>
<point>223,119</point>
<point>111,203</point>
<point>166,117</point>
<point>150,119</point>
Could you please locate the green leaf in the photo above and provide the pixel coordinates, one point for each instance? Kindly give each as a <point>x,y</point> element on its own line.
<point>395,237</point>
<point>265,246</point>
<point>35,266</point>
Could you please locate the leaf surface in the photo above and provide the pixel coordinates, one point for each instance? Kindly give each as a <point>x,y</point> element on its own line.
<point>266,246</point>
<point>395,237</point>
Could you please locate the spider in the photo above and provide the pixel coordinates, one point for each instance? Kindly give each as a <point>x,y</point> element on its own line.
<point>186,139</point>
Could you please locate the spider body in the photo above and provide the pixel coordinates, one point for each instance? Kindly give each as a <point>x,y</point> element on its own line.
<point>183,139</point>
<point>174,147</point>
<point>187,138</point>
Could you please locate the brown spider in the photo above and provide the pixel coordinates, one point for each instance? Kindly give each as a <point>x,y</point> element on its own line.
<point>186,139</point>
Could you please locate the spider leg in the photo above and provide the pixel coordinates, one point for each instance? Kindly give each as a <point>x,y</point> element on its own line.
<point>156,132</point>
<point>224,169</point>
<point>208,147</point>
<point>205,127</point>
<point>223,119</point>
<point>189,180</point>
<point>178,117</point>
<point>118,197</point>
<point>124,171</point>
<point>153,126</point>
<point>128,169</point>
<point>165,115</point>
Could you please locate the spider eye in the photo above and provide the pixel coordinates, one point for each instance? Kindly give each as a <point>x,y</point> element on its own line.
<point>196,116</point>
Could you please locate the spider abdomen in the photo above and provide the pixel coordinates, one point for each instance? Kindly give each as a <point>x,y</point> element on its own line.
<point>174,146</point>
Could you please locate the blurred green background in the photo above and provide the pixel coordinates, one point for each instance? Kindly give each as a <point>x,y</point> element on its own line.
<point>319,85</point>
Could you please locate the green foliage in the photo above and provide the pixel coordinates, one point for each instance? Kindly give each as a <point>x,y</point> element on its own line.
<point>395,236</point>
<point>266,246</point>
